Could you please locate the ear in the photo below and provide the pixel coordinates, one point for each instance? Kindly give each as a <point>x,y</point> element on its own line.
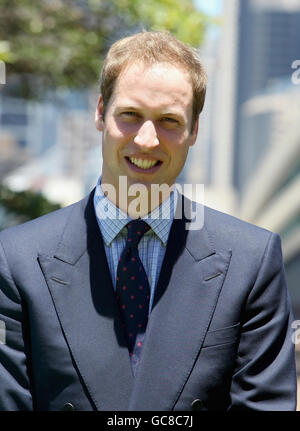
<point>99,114</point>
<point>194,133</point>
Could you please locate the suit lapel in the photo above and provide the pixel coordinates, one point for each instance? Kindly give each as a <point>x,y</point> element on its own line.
<point>81,289</point>
<point>186,295</point>
<point>187,292</point>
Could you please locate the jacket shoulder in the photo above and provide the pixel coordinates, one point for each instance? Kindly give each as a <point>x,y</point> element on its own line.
<point>41,233</point>
<point>229,231</point>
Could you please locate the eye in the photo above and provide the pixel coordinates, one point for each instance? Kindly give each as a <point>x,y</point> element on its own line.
<point>169,121</point>
<point>129,114</point>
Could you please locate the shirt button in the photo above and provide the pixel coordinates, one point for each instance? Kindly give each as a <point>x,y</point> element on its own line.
<point>197,405</point>
<point>68,407</point>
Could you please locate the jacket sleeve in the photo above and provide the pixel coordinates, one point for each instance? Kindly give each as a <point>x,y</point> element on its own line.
<point>265,375</point>
<point>14,381</point>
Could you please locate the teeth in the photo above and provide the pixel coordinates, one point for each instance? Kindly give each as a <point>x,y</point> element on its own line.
<point>142,163</point>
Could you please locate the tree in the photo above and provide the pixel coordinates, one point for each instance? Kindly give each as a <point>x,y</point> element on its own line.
<point>18,207</point>
<point>50,44</point>
<point>61,43</point>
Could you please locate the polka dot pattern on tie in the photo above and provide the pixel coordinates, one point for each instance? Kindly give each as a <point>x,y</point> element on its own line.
<point>133,290</point>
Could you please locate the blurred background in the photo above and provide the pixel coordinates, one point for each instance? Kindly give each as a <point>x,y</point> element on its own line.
<point>248,149</point>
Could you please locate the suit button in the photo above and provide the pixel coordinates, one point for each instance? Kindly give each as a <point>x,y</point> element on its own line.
<point>68,407</point>
<point>197,405</point>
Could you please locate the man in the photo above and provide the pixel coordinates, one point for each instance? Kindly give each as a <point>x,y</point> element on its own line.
<point>114,304</point>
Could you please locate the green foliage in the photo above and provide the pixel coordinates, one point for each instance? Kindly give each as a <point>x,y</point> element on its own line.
<point>25,205</point>
<point>61,43</point>
<point>180,17</point>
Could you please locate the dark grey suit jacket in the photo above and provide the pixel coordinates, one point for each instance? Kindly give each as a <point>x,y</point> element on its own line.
<point>219,331</point>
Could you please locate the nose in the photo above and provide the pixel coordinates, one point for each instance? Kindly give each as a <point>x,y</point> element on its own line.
<point>147,136</point>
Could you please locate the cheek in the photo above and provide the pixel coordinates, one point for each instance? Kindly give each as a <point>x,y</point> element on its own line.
<point>112,138</point>
<point>177,143</point>
<point>112,143</point>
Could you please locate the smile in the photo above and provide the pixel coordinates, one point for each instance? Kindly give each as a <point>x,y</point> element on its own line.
<point>144,164</point>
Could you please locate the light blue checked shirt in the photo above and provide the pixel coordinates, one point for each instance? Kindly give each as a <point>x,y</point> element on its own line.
<point>152,246</point>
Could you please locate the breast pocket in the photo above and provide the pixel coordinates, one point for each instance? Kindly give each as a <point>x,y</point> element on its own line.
<point>229,334</point>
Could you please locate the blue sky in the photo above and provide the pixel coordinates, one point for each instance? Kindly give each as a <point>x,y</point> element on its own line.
<point>210,7</point>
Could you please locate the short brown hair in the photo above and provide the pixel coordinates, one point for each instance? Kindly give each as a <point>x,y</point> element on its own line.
<point>152,47</point>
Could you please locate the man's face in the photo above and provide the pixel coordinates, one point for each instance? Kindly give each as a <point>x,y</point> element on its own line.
<point>147,125</point>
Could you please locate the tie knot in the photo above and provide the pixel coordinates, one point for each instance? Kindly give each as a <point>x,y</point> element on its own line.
<point>136,229</point>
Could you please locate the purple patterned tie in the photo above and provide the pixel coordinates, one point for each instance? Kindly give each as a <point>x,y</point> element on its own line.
<point>133,291</point>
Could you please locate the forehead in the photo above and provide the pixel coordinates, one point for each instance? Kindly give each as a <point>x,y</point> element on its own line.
<point>157,85</point>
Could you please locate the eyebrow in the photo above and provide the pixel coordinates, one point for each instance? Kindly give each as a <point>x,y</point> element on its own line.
<point>137,108</point>
<point>172,114</point>
<point>178,115</point>
<point>128,108</point>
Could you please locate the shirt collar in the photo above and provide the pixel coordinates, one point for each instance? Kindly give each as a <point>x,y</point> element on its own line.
<point>112,220</point>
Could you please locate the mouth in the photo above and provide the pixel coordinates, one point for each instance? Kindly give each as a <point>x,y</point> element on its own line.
<point>143,165</point>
